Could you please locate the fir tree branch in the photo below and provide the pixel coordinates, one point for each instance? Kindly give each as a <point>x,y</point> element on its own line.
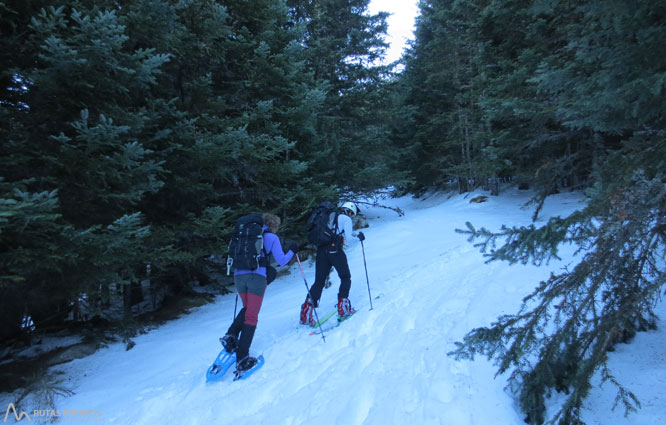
<point>566,326</point>
<point>378,205</point>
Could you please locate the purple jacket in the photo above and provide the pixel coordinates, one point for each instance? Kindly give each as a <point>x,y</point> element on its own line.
<point>272,246</point>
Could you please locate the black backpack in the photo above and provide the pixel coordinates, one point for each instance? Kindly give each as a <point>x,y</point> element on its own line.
<point>320,231</point>
<point>247,244</point>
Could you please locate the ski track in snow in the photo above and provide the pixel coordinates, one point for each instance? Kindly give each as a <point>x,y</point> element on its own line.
<point>388,365</point>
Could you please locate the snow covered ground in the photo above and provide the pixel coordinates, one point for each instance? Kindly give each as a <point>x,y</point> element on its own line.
<point>388,365</point>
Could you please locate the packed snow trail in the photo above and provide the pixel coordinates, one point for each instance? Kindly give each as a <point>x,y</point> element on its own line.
<point>386,366</point>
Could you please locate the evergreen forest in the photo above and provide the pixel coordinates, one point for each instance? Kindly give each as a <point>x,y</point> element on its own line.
<point>135,133</point>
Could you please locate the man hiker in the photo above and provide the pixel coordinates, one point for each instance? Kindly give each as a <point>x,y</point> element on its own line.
<point>251,285</point>
<point>332,255</point>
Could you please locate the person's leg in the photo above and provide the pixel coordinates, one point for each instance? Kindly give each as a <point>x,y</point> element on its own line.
<point>252,300</point>
<point>339,261</point>
<point>322,269</point>
<point>230,339</point>
<point>237,324</point>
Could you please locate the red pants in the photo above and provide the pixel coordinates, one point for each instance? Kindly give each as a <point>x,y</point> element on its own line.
<point>251,288</point>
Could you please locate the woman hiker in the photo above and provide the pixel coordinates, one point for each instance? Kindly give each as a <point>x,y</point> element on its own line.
<point>251,285</point>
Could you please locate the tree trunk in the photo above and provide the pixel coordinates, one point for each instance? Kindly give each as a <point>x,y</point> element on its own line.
<point>494,187</point>
<point>127,301</point>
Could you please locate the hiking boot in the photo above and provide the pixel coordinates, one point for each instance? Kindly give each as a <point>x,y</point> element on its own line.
<point>307,310</point>
<point>344,308</point>
<point>245,364</point>
<point>229,342</point>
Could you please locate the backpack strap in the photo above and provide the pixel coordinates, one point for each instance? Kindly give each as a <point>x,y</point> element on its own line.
<point>264,261</point>
<point>263,248</point>
<point>335,221</point>
<point>337,238</point>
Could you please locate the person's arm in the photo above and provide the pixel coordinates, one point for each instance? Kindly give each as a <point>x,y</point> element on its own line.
<point>275,248</point>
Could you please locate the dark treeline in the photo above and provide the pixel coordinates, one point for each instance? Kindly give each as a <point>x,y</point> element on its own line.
<point>135,132</point>
<point>545,93</point>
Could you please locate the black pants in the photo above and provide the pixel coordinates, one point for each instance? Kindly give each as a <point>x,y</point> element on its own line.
<point>246,332</point>
<point>325,260</point>
<point>237,325</point>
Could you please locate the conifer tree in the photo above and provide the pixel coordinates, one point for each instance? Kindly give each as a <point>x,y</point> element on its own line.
<point>478,114</point>
<point>135,132</point>
<point>517,39</point>
<point>233,101</point>
<point>72,163</point>
<point>437,70</point>
<point>32,257</point>
<point>343,46</point>
<point>565,328</point>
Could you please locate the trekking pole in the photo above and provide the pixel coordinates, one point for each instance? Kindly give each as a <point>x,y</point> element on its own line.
<point>230,262</point>
<point>361,236</point>
<point>308,288</point>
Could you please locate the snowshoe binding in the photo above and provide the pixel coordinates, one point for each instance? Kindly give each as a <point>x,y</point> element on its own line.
<point>247,366</point>
<point>229,342</point>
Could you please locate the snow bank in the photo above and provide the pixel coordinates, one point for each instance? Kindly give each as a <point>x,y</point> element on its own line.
<point>388,365</point>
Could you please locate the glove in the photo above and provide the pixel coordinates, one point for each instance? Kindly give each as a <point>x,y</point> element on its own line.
<point>361,236</point>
